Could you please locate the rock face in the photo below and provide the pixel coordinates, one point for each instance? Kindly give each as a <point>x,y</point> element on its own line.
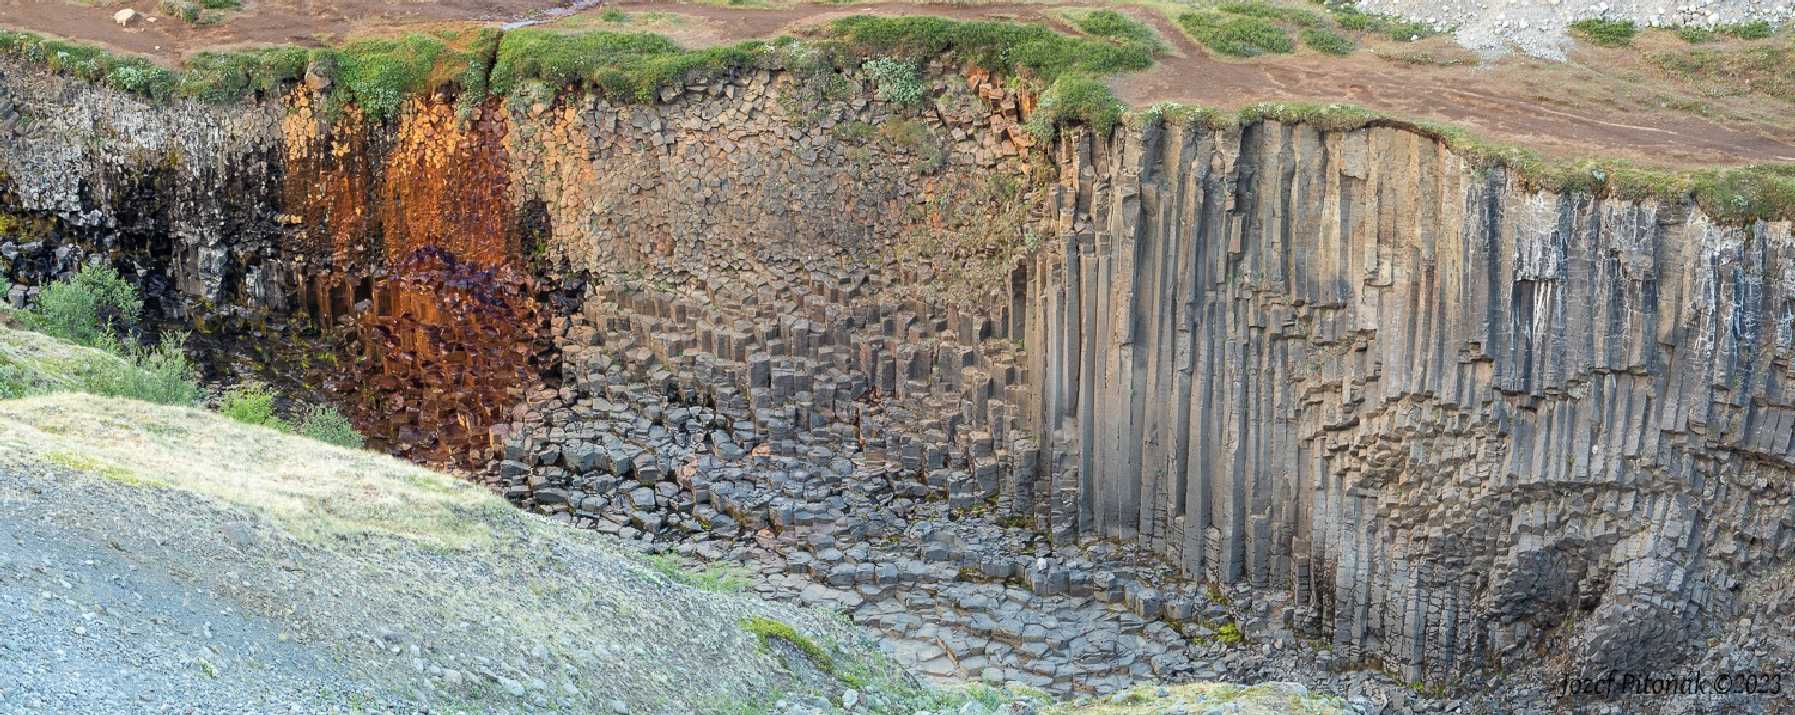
<point>1445,412</point>
<point>1451,419</point>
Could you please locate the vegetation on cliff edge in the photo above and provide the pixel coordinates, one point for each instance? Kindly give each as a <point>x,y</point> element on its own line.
<point>1731,195</point>
<point>1066,71</point>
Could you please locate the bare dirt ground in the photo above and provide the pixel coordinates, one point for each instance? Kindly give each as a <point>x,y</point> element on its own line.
<point>1597,102</point>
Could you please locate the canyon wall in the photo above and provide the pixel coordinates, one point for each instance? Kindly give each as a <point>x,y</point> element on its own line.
<point>1445,412</point>
<point>1454,419</point>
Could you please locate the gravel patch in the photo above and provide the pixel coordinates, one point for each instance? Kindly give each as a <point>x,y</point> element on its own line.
<point>1538,27</point>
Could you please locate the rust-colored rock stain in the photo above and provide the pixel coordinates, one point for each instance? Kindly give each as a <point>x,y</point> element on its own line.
<point>421,278</point>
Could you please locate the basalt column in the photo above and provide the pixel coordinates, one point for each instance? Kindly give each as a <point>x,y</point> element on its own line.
<point>422,275</point>
<point>1447,413</point>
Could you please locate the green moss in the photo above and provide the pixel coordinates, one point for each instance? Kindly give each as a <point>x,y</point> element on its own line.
<point>1327,42</point>
<point>1236,35</point>
<point>1607,33</point>
<point>770,629</point>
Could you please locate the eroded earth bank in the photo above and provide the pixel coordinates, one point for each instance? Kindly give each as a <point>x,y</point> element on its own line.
<point>1266,402</point>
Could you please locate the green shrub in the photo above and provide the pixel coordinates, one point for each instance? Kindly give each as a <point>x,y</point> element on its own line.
<point>999,47</point>
<point>1119,27</point>
<point>161,374</point>
<point>1395,28</point>
<point>613,15</point>
<point>1079,98</point>
<point>1299,17</point>
<point>1695,35</point>
<point>184,9</point>
<point>1407,30</point>
<point>96,307</point>
<point>1607,33</point>
<point>325,424</point>
<point>220,77</point>
<point>1236,35</point>
<point>1748,30</point>
<point>251,403</point>
<point>221,4</point>
<point>895,80</point>
<point>1327,42</point>
<point>622,66</point>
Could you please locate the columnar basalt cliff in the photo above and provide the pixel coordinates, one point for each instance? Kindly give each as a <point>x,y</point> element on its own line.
<point>1446,412</point>
<point>1452,418</point>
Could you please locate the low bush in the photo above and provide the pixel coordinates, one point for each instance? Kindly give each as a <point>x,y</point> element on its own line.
<point>251,403</point>
<point>1758,30</point>
<point>1000,47</point>
<point>1236,35</point>
<point>96,308</point>
<point>894,80</point>
<point>1395,28</point>
<point>327,425</point>
<point>1607,33</point>
<point>1296,16</point>
<point>1117,26</point>
<point>1327,42</point>
<point>1695,35</point>
<point>1078,98</point>
<point>160,374</point>
<point>622,66</point>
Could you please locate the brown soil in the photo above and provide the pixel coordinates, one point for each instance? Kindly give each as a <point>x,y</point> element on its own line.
<point>1607,102</point>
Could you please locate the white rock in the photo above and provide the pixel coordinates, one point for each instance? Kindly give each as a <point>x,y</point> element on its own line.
<point>126,17</point>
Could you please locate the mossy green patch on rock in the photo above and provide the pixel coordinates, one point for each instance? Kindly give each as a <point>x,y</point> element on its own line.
<point>769,629</point>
